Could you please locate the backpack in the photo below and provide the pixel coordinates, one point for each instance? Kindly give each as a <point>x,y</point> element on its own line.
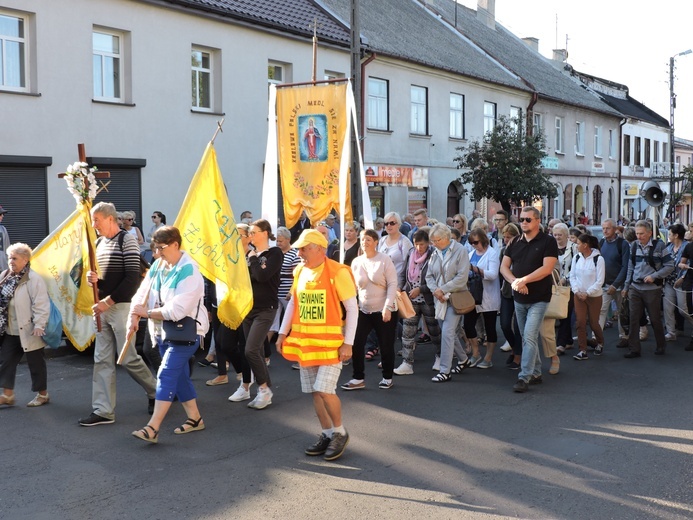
<point>650,255</point>
<point>54,329</point>
<point>144,265</point>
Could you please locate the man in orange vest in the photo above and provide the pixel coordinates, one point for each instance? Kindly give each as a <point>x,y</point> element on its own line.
<point>321,317</point>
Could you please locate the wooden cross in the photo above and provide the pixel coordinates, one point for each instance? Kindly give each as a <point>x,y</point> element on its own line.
<point>92,252</point>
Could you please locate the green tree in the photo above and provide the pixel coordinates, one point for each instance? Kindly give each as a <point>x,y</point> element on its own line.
<point>505,165</point>
<point>684,181</point>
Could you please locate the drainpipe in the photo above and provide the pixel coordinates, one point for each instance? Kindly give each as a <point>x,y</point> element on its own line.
<point>620,165</point>
<point>529,128</point>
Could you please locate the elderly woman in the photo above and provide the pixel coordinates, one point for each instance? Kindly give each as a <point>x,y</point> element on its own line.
<point>480,223</point>
<point>586,280</point>
<point>672,296</point>
<point>485,264</point>
<point>351,243</point>
<point>566,251</point>
<point>24,311</point>
<point>376,283</point>
<point>448,271</point>
<point>130,227</point>
<point>459,222</point>
<point>173,291</point>
<point>395,244</point>
<point>413,281</point>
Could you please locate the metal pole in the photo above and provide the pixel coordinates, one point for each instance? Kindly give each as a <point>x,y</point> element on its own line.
<point>672,106</point>
<point>356,83</point>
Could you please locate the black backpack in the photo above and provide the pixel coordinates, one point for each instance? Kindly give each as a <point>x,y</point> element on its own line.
<point>650,255</point>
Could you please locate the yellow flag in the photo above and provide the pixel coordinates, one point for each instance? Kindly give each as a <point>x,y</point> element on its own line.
<point>210,237</point>
<point>311,125</point>
<point>62,260</point>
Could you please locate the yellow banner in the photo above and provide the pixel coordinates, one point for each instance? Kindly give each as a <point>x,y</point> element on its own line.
<point>311,125</point>
<point>62,260</point>
<point>210,237</point>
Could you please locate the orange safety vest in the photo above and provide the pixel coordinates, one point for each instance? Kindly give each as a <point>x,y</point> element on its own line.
<point>316,324</point>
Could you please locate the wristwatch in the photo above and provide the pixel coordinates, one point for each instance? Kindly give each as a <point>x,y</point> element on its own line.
<point>149,313</point>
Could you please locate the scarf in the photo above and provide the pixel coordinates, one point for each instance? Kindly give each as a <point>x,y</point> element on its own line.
<point>7,288</point>
<point>416,264</point>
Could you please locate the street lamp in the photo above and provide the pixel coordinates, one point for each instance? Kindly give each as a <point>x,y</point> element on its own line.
<point>672,106</point>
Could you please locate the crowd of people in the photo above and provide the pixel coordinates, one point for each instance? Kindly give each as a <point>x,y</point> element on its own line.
<point>326,303</point>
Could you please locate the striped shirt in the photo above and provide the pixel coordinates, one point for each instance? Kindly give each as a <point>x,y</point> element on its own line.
<point>286,275</point>
<point>119,268</point>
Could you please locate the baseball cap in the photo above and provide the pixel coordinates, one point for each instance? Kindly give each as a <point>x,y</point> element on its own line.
<point>310,236</point>
<point>2,210</point>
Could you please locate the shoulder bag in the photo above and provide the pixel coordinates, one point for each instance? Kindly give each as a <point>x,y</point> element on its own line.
<point>560,296</point>
<point>181,331</point>
<point>462,301</point>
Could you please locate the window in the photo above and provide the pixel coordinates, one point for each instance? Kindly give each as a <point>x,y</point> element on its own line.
<point>537,123</point>
<point>647,153</point>
<point>330,74</point>
<point>637,153</point>
<point>559,135</point>
<point>13,53</point>
<point>579,138</point>
<point>201,62</point>
<point>107,63</point>
<point>490,112</point>
<point>419,110</point>
<point>378,109</point>
<point>626,149</point>
<point>598,141</point>
<point>656,151</point>
<point>515,115</point>
<point>456,116</point>
<point>612,144</point>
<point>278,73</point>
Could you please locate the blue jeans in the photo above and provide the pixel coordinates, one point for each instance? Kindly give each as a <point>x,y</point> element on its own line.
<point>529,318</point>
<point>173,378</point>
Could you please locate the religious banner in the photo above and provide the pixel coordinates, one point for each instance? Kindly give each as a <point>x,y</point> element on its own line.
<point>62,260</point>
<point>312,126</point>
<point>210,237</point>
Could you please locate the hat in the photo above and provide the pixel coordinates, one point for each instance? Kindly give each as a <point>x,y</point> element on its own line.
<point>2,210</point>
<point>310,236</point>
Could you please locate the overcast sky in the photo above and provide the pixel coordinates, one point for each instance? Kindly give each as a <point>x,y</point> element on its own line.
<point>620,40</point>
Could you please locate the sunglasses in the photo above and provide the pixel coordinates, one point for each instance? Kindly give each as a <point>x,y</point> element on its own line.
<point>130,219</point>
<point>391,223</point>
<point>456,221</point>
<point>473,242</point>
<point>526,219</point>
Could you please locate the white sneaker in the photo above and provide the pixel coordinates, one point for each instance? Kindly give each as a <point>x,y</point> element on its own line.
<point>643,333</point>
<point>436,364</point>
<point>506,347</point>
<point>405,369</point>
<point>262,400</point>
<point>241,394</point>
<point>670,336</point>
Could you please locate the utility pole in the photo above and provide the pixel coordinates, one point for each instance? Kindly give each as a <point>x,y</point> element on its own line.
<point>672,165</point>
<point>358,95</point>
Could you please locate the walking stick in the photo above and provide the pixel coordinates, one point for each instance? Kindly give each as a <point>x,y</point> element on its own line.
<point>131,333</point>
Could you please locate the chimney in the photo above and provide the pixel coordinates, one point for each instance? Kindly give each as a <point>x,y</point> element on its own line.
<point>532,43</point>
<point>486,12</point>
<point>560,55</point>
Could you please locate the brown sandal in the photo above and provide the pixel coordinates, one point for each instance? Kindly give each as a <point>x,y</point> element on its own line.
<point>193,426</point>
<point>143,434</point>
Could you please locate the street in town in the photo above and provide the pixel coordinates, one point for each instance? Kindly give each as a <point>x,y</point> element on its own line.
<point>605,438</point>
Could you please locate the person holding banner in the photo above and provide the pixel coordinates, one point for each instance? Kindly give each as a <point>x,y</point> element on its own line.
<point>118,258</point>
<point>265,264</point>
<point>173,291</point>
<point>24,311</point>
<point>321,340</point>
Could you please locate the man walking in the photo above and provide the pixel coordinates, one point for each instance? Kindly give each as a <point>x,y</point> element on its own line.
<point>318,342</point>
<point>527,266</point>
<point>119,263</point>
<point>615,251</point>
<point>648,266</point>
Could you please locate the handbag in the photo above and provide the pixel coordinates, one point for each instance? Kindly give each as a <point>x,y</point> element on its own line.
<point>462,301</point>
<point>181,331</point>
<point>405,309</point>
<point>475,284</point>
<point>54,328</point>
<point>560,296</point>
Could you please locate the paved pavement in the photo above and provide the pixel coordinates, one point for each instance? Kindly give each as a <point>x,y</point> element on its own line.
<point>605,438</point>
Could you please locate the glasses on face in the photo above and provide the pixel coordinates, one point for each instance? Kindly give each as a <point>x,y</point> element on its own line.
<point>243,236</point>
<point>526,219</point>
<point>473,242</point>
<point>499,220</point>
<point>160,247</point>
<point>436,241</point>
<point>155,216</point>
<point>391,223</point>
<point>456,221</point>
<point>129,219</point>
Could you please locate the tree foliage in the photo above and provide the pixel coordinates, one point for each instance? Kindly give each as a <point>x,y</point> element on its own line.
<point>505,165</point>
<point>685,182</point>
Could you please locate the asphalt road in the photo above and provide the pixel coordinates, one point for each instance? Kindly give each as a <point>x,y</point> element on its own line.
<point>605,438</point>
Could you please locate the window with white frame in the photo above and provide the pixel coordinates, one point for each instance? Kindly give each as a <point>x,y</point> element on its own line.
<point>626,149</point>
<point>558,135</point>
<point>201,74</point>
<point>490,114</point>
<point>13,52</point>
<point>598,141</point>
<point>419,110</point>
<point>107,65</point>
<point>655,148</point>
<point>378,104</point>
<point>579,138</point>
<point>515,114</point>
<point>330,74</point>
<point>648,154</point>
<point>612,144</point>
<point>276,73</point>
<point>537,123</point>
<point>637,151</point>
<point>456,116</point>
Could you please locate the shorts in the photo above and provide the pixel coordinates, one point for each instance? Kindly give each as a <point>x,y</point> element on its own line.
<point>322,378</point>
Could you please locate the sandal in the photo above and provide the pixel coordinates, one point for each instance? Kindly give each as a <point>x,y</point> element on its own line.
<point>371,354</point>
<point>441,378</point>
<point>143,434</point>
<point>39,400</point>
<point>7,399</point>
<point>194,426</point>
